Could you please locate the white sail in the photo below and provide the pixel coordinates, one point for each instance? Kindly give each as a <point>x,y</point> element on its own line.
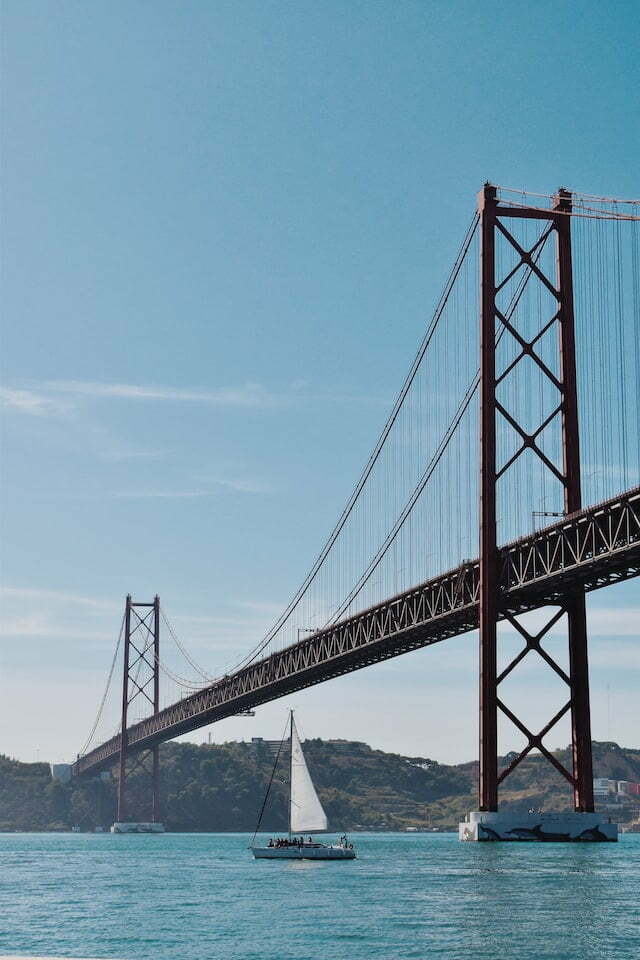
<point>307,814</point>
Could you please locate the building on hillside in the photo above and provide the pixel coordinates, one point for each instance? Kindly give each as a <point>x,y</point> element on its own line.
<point>629,788</point>
<point>269,747</point>
<point>61,771</point>
<point>606,790</point>
<point>601,788</point>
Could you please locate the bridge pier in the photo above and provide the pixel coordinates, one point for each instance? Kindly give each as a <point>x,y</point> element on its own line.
<point>487,826</point>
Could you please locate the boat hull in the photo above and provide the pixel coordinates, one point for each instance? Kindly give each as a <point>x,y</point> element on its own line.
<point>310,852</point>
<point>121,827</point>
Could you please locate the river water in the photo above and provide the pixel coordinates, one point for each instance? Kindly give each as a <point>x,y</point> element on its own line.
<point>203,897</point>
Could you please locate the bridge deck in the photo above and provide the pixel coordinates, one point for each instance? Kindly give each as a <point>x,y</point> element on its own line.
<point>590,549</point>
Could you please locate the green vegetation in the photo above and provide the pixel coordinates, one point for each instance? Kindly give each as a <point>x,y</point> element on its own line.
<point>221,787</point>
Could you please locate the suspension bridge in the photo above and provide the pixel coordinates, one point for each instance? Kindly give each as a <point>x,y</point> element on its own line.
<point>504,480</point>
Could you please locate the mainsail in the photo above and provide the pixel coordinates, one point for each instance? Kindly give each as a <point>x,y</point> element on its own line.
<point>306,813</point>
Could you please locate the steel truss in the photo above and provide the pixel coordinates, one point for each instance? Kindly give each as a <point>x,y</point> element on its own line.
<point>591,549</point>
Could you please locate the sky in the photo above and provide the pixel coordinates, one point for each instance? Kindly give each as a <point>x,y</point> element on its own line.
<point>224,228</point>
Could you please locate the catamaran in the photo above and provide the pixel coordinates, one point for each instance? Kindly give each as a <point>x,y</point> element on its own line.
<point>306,816</point>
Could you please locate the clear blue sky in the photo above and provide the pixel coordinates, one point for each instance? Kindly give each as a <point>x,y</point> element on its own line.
<point>223,228</point>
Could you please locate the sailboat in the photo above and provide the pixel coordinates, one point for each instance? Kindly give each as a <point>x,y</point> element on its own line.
<point>305,816</point>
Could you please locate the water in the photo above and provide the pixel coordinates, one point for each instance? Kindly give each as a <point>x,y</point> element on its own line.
<point>203,897</point>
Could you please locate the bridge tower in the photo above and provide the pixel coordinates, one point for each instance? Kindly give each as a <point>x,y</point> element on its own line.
<point>140,678</point>
<point>494,324</point>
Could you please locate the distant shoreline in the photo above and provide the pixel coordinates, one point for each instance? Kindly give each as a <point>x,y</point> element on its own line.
<point>218,789</point>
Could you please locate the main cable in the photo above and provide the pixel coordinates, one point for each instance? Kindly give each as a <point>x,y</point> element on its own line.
<point>106,691</point>
<point>184,652</point>
<point>435,460</point>
<point>253,654</point>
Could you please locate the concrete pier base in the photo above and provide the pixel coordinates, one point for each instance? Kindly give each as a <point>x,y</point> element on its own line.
<point>540,827</point>
<point>137,828</point>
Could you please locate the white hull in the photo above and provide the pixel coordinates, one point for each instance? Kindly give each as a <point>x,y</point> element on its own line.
<point>314,851</point>
<point>538,827</point>
<point>137,828</point>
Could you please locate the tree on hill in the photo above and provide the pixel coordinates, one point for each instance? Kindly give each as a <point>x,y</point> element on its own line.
<point>221,787</point>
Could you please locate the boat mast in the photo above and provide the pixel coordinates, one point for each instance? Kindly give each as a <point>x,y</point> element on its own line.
<point>273,773</point>
<point>290,771</point>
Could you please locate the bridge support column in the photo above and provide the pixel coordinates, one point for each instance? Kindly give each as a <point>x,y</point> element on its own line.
<point>576,606</point>
<point>580,708</point>
<point>141,677</point>
<point>122,766</point>
<point>155,787</point>
<point>488,614</point>
<point>494,323</point>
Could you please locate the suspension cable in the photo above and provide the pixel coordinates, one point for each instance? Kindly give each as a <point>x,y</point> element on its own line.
<point>466,243</point>
<point>426,476</point>
<point>574,194</point>
<point>181,681</point>
<point>184,652</point>
<point>106,691</point>
<point>592,213</point>
<point>437,457</point>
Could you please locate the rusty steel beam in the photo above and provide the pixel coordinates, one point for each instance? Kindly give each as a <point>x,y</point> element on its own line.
<point>155,775</point>
<point>590,549</point>
<point>576,609</point>
<point>122,773</point>
<point>488,596</point>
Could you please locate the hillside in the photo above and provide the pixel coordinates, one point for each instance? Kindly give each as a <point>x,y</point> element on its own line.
<point>221,787</point>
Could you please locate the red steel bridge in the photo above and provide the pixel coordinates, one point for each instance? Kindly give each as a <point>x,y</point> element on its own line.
<point>514,441</point>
